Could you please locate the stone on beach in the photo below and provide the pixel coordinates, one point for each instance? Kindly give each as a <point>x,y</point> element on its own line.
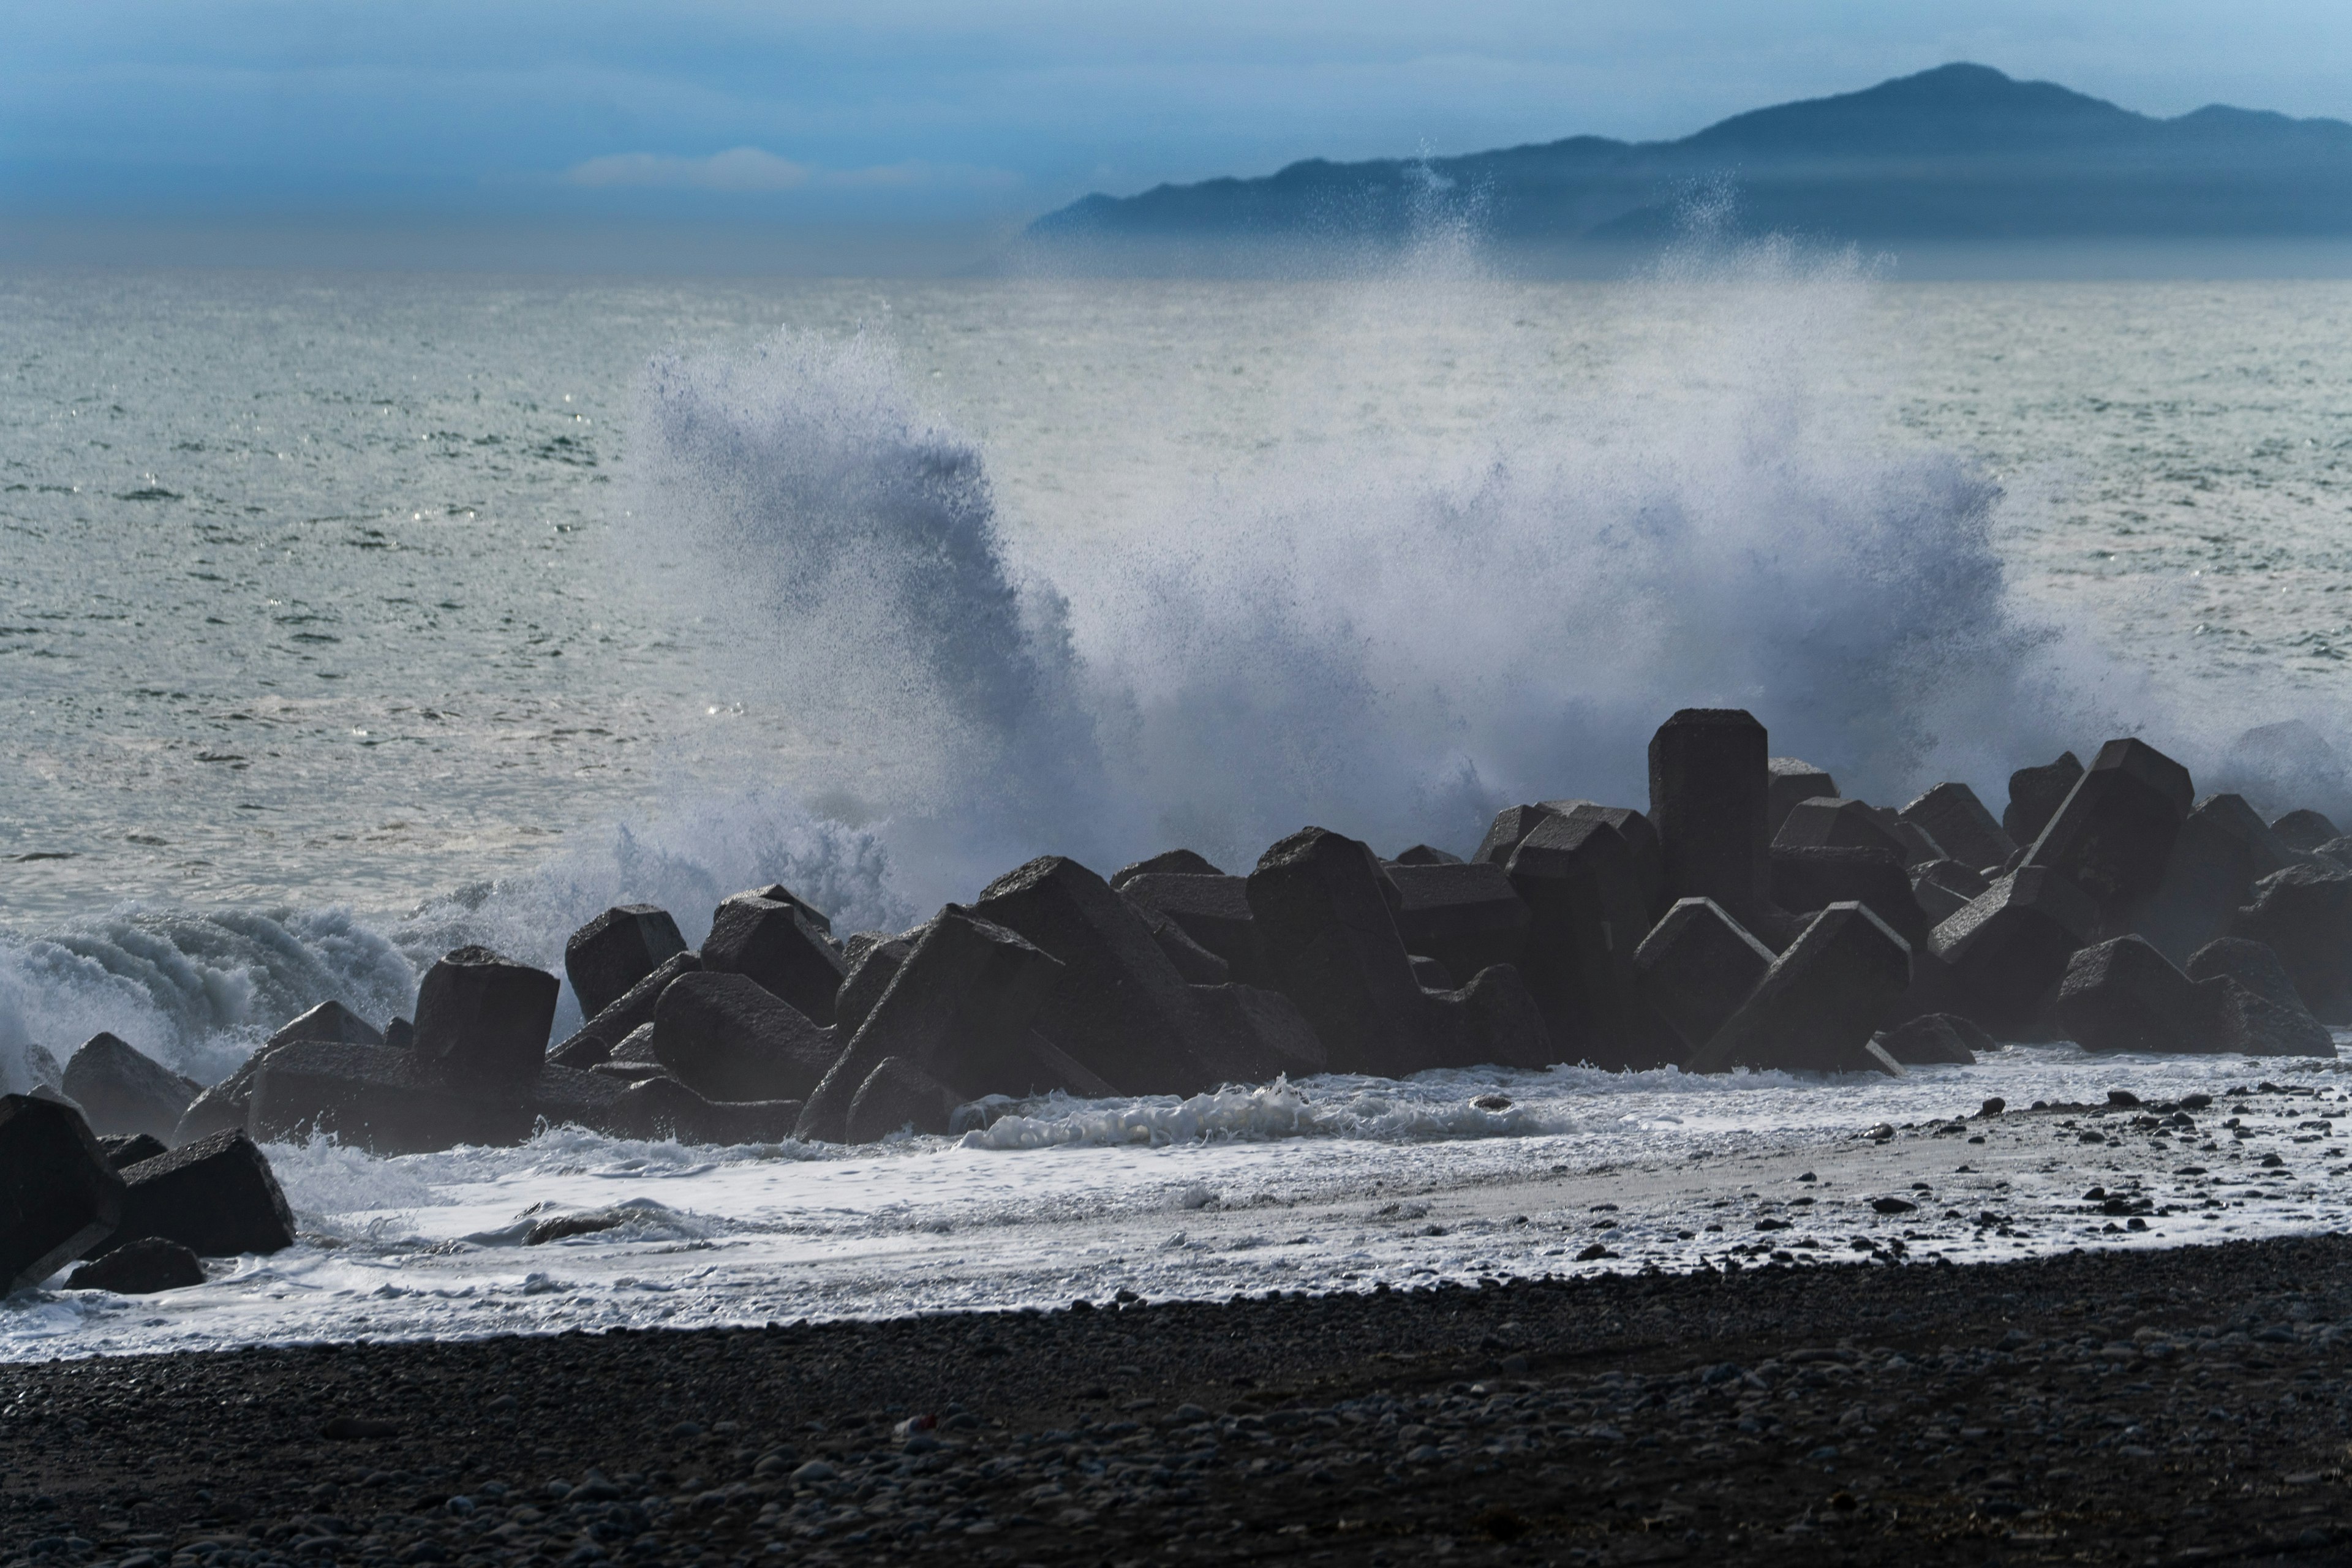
<point>2008,948</point>
<point>1578,878</point>
<point>613,952</point>
<point>1330,944</point>
<point>1935,1040</point>
<point>1696,966</point>
<point>2114,831</point>
<point>483,1017</point>
<point>217,1197</point>
<point>1818,1006</point>
<point>61,1196</point>
<point>1806,878</point>
<point>1211,909</point>
<point>2304,915</point>
<point>959,1007</point>
<point>121,1090</point>
<point>2035,795</point>
<point>897,1095</point>
<point>596,1040</point>
<point>2223,848</point>
<point>141,1268</point>
<point>329,1021</point>
<point>1119,1007</point>
<point>1465,915</point>
<point>1793,780</point>
<point>1167,863</point>
<point>869,975</point>
<point>1960,822</point>
<point>1711,788</point>
<point>727,1037</point>
<point>2304,830</point>
<point>777,945</point>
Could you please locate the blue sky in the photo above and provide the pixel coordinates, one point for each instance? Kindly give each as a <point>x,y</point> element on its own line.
<point>906,111</point>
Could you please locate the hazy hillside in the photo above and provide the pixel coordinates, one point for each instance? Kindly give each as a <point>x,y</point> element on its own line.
<point>1961,153</point>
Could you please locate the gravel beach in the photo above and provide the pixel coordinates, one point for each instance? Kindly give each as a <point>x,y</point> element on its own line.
<point>2142,1406</point>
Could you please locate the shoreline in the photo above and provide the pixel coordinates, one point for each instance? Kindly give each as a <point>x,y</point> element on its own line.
<point>2162,1405</point>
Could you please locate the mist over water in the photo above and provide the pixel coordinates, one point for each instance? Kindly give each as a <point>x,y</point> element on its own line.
<point>1383,553</point>
<point>1390,639</point>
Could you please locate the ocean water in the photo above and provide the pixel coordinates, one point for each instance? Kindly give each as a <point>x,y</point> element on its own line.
<point>344,618</point>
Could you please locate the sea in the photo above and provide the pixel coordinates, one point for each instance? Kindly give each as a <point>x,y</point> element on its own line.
<point>347,617</point>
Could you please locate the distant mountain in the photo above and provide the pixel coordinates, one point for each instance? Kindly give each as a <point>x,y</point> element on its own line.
<point>1960,152</point>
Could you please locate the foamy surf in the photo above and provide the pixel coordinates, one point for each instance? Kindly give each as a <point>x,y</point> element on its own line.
<point>1332,1184</point>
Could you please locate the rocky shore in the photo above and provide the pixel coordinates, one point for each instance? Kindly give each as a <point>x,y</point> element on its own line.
<point>2180,1405</point>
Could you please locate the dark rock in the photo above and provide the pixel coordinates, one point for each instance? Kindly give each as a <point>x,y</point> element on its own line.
<point>61,1196</point>
<point>141,1268</point>
<point>630,1072</point>
<point>2034,797</point>
<point>1696,966</point>
<point>1196,964</point>
<point>215,1196</point>
<point>1935,1038</point>
<point>329,1021</point>
<point>1577,878</point>
<point>778,946</point>
<point>1494,1021</point>
<point>2008,948</point>
<point>599,1036</point>
<point>1808,877</point>
<point>2124,995</point>
<point>1640,842</point>
<point>2253,1025</point>
<point>613,952</point>
<point>1959,821</point>
<point>637,1047</point>
<point>870,974</point>
<point>1167,863</point>
<point>1430,974</point>
<point>224,1106</point>
<point>2115,832</point>
<point>1510,827</point>
<point>121,1091</point>
<point>1260,1034</point>
<point>1943,888</point>
<point>1427,855</point>
<point>2304,915</point>
<point>1710,782</point>
<point>777,893</point>
<point>129,1150</point>
<point>1121,1008</point>
<point>959,1007</point>
<point>897,1095</point>
<point>726,1037</point>
<point>2252,965</point>
<point>1465,915</point>
<point>1214,910</point>
<point>2304,830</point>
<point>1330,944</point>
<point>664,1108</point>
<point>483,1018</point>
<point>1824,823</point>
<point>1792,780</point>
<point>2223,848</point>
<point>1818,1006</point>
<point>386,1101</point>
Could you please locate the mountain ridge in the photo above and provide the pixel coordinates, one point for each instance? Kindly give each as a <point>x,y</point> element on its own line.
<point>1961,151</point>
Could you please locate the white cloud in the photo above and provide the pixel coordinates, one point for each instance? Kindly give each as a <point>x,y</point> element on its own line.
<point>737,169</point>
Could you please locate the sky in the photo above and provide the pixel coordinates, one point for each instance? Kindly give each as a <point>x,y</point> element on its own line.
<point>835,116</point>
